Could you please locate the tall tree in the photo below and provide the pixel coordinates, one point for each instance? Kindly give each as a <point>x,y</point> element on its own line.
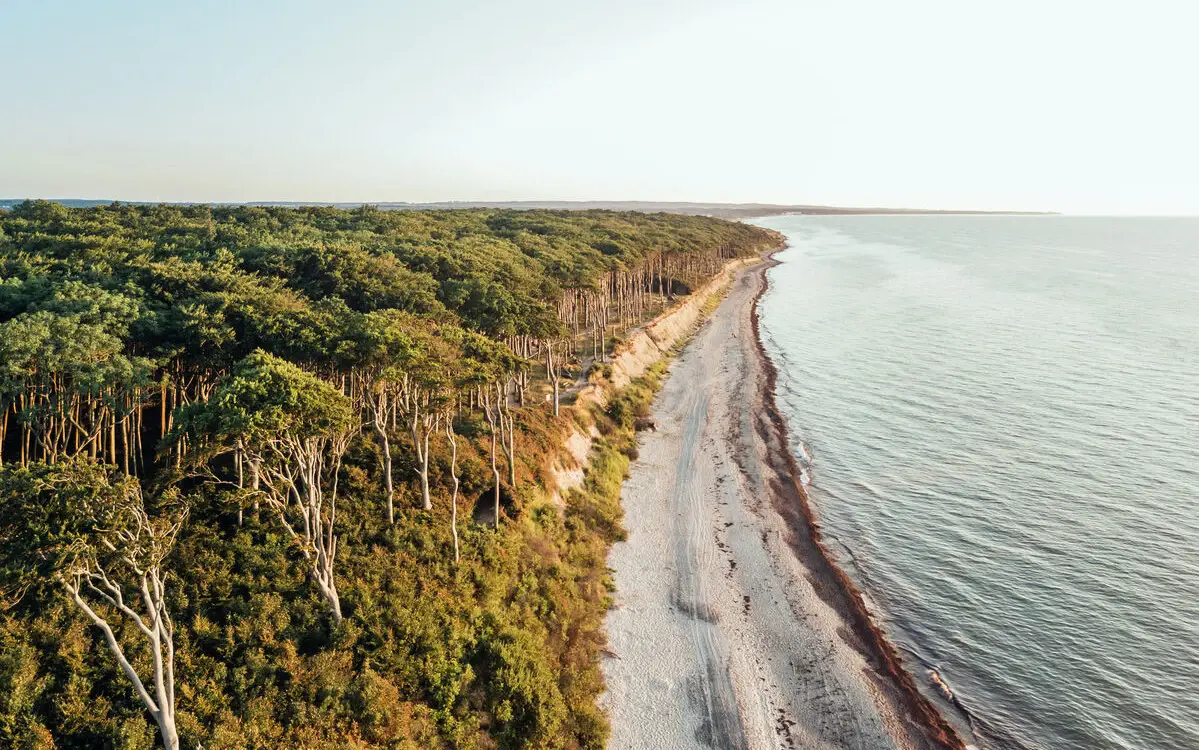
<point>485,365</point>
<point>295,428</point>
<point>84,530</point>
<point>452,438</point>
<point>378,351</point>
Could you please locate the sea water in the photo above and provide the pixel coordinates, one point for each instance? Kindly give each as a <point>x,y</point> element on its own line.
<point>1002,414</point>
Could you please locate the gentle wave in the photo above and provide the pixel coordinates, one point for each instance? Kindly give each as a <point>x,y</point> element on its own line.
<point>1002,422</point>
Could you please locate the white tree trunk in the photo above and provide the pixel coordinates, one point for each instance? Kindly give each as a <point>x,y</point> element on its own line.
<point>294,485</point>
<point>551,372</point>
<point>507,433</point>
<point>381,430</point>
<point>422,428</point>
<point>155,624</point>
<point>449,433</point>
<point>491,419</point>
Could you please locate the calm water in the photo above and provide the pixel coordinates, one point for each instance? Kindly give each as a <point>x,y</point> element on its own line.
<point>1003,417</point>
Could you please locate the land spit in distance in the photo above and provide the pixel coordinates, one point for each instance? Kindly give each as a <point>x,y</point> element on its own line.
<point>731,627</point>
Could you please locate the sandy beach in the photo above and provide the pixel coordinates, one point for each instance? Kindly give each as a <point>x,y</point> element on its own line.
<point>730,627</point>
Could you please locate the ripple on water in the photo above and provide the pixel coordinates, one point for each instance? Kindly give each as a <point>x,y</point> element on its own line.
<point>1004,419</point>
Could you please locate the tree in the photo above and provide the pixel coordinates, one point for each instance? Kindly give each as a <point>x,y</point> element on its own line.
<point>84,530</point>
<point>486,365</point>
<point>491,409</point>
<point>507,427</point>
<point>378,349</point>
<point>257,343</point>
<point>73,385</point>
<point>400,364</point>
<point>425,395</point>
<point>295,428</point>
<point>453,440</point>
<point>552,368</point>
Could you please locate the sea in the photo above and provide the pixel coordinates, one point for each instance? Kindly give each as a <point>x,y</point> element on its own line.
<point>999,419</point>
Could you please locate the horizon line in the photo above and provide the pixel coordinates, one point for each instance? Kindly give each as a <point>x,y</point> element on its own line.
<point>743,208</point>
<point>773,207</point>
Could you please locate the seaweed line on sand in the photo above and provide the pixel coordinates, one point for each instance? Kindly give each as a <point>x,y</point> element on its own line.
<point>872,641</point>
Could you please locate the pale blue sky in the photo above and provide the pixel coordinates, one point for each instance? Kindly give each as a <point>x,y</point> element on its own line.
<point>1083,107</point>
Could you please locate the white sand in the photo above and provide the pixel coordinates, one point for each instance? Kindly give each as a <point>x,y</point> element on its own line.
<point>720,639</point>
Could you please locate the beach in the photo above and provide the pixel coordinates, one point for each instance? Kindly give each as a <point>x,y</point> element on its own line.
<point>731,628</point>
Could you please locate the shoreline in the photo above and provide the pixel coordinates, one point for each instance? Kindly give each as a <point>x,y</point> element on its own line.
<point>884,651</point>
<point>732,626</point>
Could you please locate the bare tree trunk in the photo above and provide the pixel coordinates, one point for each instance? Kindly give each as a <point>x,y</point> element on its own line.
<point>430,427</point>
<point>238,461</point>
<point>294,485</point>
<point>422,428</point>
<point>507,433</point>
<point>328,542</point>
<point>378,401</point>
<point>322,574</point>
<point>381,430</point>
<point>495,471</point>
<point>255,480</point>
<point>324,541</point>
<point>551,372</point>
<point>155,624</point>
<point>449,433</point>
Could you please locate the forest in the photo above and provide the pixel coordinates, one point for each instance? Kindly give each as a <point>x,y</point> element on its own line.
<point>281,477</point>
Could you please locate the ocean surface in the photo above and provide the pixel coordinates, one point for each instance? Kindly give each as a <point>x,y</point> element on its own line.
<point>1003,420</point>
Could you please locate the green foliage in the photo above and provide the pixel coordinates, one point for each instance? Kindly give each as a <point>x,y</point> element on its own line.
<point>224,326</point>
<point>54,517</point>
<point>266,396</point>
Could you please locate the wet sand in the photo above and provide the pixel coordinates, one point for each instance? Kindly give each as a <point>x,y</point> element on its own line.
<point>731,628</point>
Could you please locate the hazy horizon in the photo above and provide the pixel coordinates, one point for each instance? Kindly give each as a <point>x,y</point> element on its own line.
<point>601,203</point>
<point>1043,107</point>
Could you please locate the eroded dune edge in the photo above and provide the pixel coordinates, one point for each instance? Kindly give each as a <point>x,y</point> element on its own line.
<point>732,626</point>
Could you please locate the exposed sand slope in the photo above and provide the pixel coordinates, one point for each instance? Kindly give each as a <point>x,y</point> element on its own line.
<point>643,347</point>
<point>722,637</point>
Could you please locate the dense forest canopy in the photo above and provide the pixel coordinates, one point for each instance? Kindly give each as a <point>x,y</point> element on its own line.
<point>236,443</point>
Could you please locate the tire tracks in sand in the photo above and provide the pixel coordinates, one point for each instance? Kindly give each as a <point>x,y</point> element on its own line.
<point>723,639</point>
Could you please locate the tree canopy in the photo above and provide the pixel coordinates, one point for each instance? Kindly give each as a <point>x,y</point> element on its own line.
<point>325,388</point>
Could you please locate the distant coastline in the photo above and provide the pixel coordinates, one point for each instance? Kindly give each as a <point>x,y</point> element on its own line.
<point>720,210</point>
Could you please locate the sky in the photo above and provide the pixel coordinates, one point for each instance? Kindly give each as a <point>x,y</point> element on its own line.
<point>1080,107</point>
